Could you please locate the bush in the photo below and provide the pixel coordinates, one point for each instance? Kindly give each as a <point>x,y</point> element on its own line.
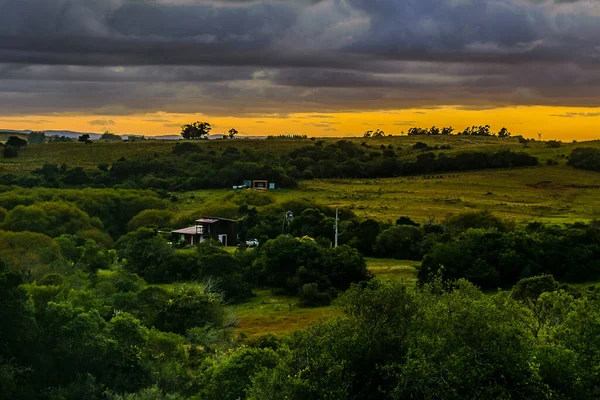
<point>529,289</point>
<point>151,219</point>
<point>289,263</point>
<point>585,158</point>
<point>400,242</point>
<point>553,144</point>
<point>190,306</point>
<point>475,219</point>
<point>16,142</point>
<point>310,296</point>
<point>10,152</point>
<point>406,221</point>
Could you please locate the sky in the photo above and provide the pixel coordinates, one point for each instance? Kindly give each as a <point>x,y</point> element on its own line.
<point>315,67</point>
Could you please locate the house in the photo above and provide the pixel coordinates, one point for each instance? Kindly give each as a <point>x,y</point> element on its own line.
<point>221,229</point>
<point>257,184</point>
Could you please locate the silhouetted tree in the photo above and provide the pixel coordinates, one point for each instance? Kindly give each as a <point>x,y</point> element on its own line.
<point>503,133</point>
<point>16,141</point>
<point>107,135</point>
<point>85,138</point>
<point>196,130</point>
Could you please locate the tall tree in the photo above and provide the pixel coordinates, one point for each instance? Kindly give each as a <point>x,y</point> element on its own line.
<point>503,133</point>
<point>196,130</point>
<point>232,133</point>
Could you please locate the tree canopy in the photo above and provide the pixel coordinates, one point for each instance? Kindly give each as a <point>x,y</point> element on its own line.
<point>195,130</point>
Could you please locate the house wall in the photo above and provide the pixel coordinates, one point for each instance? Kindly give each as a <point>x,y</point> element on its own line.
<point>228,228</point>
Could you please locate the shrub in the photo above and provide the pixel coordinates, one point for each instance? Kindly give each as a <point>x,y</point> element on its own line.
<point>10,152</point>
<point>310,296</point>
<point>16,142</point>
<point>529,289</point>
<point>553,144</point>
<point>585,158</point>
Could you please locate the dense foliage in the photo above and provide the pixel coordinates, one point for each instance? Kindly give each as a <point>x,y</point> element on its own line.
<point>442,343</point>
<point>585,158</point>
<point>191,167</point>
<point>286,263</point>
<point>491,258</point>
<point>53,212</point>
<point>62,338</point>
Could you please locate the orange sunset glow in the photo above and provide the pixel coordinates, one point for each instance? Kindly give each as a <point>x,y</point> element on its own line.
<point>558,123</point>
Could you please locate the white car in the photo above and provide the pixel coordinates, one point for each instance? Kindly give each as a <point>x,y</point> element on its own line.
<point>252,242</point>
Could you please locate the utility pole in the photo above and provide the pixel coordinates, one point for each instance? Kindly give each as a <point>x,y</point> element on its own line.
<point>336,227</point>
<point>286,218</point>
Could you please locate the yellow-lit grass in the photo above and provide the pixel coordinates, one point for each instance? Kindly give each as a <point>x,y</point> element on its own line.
<point>546,193</point>
<point>77,154</point>
<point>390,269</point>
<point>266,313</point>
<point>552,194</point>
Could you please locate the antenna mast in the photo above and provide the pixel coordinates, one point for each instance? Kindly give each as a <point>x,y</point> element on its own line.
<point>336,227</point>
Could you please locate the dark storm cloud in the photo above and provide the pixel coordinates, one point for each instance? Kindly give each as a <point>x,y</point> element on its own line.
<point>405,123</point>
<point>577,114</point>
<point>272,56</point>
<point>102,122</point>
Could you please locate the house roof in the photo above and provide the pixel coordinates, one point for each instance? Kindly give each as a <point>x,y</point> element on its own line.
<point>187,231</point>
<point>207,220</point>
<point>214,219</point>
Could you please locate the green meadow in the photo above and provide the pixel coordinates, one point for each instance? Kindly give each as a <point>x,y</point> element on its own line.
<point>268,313</point>
<point>545,193</point>
<point>77,154</point>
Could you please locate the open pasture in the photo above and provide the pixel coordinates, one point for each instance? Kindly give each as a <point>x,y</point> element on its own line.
<point>267,313</point>
<point>544,193</point>
<point>89,156</point>
<point>551,194</point>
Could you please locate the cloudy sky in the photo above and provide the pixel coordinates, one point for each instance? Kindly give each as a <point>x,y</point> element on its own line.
<point>320,67</point>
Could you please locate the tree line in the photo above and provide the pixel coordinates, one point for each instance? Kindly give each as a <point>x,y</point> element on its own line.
<point>191,167</point>
<point>480,130</point>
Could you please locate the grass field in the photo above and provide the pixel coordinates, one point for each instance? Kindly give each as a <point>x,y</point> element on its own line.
<point>553,194</point>
<point>545,193</point>
<point>266,313</point>
<point>89,156</point>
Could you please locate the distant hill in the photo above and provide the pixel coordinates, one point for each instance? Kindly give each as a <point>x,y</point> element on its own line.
<point>5,133</point>
<point>72,134</point>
